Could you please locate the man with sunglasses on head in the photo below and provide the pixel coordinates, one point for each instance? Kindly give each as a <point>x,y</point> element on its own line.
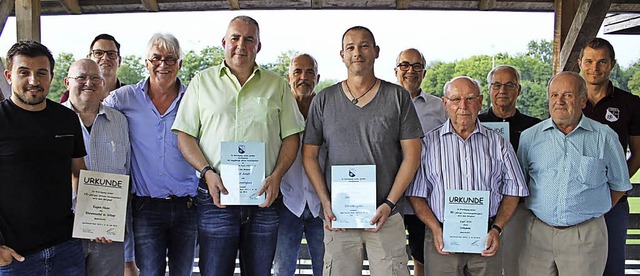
<point>504,89</point>
<point>410,72</point>
<point>462,154</point>
<point>164,217</point>
<point>105,51</point>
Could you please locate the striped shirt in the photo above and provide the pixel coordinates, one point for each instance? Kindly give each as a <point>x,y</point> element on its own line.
<point>483,162</point>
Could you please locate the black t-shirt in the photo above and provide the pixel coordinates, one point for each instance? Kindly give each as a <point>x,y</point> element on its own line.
<point>517,124</point>
<point>36,149</point>
<point>620,110</point>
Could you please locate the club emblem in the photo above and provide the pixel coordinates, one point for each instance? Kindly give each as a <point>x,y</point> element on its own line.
<point>241,149</point>
<point>612,115</point>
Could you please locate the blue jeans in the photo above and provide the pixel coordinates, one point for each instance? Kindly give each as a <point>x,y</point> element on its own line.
<point>224,231</point>
<point>164,228</point>
<point>289,237</point>
<point>62,259</point>
<point>616,220</point>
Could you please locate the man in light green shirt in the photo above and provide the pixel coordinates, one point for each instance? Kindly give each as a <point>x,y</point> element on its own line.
<point>238,102</point>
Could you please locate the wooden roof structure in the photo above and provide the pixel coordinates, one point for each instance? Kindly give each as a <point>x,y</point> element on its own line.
<point>576,21</point>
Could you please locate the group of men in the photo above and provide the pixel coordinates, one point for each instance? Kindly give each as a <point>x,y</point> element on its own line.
<point>549,185</point>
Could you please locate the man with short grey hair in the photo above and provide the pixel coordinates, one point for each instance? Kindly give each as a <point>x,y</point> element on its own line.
<point>576,171</point>
<point>464,155</point>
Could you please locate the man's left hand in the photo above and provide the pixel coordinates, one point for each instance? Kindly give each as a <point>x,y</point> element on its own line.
<point>270,186</point>
<point>492,244</point>
<point>382,213</point>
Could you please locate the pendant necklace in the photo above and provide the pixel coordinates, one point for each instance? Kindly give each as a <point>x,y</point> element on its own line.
<point>355,100</point>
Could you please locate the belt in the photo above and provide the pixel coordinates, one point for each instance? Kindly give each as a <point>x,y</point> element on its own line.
<point>562,227</point>
<point>165,199</point>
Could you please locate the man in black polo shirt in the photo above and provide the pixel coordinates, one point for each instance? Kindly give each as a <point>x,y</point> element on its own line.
<point>504,89</point>
<point>620,110</point>
<point>41,150</point>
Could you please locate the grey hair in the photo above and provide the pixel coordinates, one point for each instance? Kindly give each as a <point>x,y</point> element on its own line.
<point>474,81</point>
<point>315,63</point>
<point>582,89</point>
<point>424,61</point>
<point>166,41</point>
<point>503,67</point>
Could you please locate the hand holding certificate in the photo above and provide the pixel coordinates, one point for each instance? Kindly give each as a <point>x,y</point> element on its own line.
<point>101,206</point>
<point>466,218</point>
<point>353,196</point>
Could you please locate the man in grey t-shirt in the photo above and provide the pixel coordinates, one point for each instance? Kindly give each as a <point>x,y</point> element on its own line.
<point>364,121</point>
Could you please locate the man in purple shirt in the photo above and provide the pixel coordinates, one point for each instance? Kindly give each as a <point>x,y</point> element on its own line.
<point>164,218</point>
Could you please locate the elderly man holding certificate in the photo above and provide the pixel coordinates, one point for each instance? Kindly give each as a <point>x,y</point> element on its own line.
<point>466,188</point>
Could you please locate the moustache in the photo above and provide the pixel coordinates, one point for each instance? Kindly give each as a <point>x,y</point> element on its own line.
<point>303,82</point>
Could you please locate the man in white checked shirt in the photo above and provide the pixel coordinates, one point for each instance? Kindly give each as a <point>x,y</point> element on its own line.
<point>462,154</point>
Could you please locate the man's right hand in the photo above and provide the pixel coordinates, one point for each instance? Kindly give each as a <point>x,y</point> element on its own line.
<point>7,255</point>
<point>438,241</point>
<point>214,182</point>
<point>329,217</point>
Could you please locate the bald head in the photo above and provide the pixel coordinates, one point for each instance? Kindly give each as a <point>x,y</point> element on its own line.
<point>85,83</point>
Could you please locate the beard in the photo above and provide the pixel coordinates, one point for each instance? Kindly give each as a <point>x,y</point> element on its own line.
<point>30,100</point>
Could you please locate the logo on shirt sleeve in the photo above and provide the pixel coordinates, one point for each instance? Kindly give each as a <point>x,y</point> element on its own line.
<point>612,115</point>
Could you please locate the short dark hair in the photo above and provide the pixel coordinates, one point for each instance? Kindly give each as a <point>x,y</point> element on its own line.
<point>358,28</point>
<point>105,37</point>
<point>600,43</point>
<point>29,48</point>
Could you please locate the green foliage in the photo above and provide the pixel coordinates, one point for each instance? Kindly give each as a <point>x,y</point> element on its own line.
<point>193,63</point>
<point>131,70</point>
<point>62,64</point>
<point>324,84</point>
<point>281,66</point>
<point>541,50</point>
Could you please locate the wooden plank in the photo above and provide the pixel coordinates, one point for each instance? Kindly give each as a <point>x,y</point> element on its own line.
<point>402,4</point>
<point>151,5</point>
<point>234,4</point>
<point>486,5</point>
<point>631,25</point>
<point>316,4</point>
<point>5,88</point>
<point>71,6</point>
<point>28,19</point>
<point>6,7</point>
<point>565,11</point>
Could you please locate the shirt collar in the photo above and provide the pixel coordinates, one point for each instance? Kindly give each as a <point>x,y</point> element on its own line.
<point>224,69</point>
<point>584,123</point>
<point>101,109</point>
<point>447,128</point>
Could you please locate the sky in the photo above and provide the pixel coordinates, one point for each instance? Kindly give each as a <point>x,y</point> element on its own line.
<point>440,35</point>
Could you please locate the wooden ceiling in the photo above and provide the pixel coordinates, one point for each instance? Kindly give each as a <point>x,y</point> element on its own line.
<point>61,7</point>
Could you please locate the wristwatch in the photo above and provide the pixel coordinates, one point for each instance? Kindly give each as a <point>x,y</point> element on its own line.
<point>498,228</point>
<point>390,204</point>
<point>205,170</point>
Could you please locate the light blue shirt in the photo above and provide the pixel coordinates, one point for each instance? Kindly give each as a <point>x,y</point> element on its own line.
<point>483,162</point>
<point>158,168</point>
<point>570,176</point>
<point>297,190</point>
<point>107,145</point>
<point>430,111</point>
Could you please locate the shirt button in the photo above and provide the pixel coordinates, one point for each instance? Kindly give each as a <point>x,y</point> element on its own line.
<point>160,174</point>
<point>159,137</point>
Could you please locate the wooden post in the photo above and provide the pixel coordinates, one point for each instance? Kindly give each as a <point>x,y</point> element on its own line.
<point>28,19</point>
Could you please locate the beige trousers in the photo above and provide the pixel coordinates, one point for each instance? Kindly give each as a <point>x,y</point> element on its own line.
<point>386,250</point>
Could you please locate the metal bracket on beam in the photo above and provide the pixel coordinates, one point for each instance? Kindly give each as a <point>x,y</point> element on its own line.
<point>151,5</point>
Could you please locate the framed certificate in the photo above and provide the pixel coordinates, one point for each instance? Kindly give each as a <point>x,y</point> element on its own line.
<point>466,219</point>
<point>242,170</point>
<point>101,206</point>
<point>353,195</point>
<point>501,128</point>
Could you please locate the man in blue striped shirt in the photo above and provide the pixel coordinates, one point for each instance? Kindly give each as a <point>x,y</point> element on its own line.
<point>576,171</point>
<point>462,154</point>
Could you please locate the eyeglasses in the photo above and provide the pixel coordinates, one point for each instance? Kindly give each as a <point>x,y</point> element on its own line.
<point>84,79</point>
<point>404,66</point>
<point>156,61</point>
<point>458,100</point>
<point>111,54</point>
<point>508,86</point>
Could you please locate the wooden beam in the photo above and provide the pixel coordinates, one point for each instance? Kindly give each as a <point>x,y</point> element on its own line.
<point>402,4</point>
<point>151,5</point>
<point>316,4</point>
<point>28,19</point>
<point>71,6</point>
<point>234,4</point>
<point>584,27</point>
<point>486,5</point>
<point>6,7</point>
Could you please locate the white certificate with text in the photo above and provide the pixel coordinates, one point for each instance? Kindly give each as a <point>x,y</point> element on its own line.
<point>242,170</point>
<point>353,196</point>
<point>501,128</point>
<point>101,207</point>
<point>466,221</point>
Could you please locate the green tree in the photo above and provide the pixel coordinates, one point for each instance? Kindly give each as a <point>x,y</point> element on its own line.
<point>542,50</point>
<point>325,83</point>
<point>192,63</point>
<point>131,70</point>
<point>62,64</point>
<point>281,66</point>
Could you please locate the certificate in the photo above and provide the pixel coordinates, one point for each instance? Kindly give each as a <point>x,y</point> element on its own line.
<point>466,218</point>
<point>101,208</point>
<point>242,170</point>
<point>501,128</point>
<point>353,196</point>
